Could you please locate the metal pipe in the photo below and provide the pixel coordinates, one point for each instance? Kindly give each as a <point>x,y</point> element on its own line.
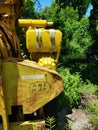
<point>34,23</point>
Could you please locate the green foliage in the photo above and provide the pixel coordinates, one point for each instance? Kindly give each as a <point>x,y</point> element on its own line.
<point>88,88</point>
<point>97,28</point>
<point>90,72</point>
<point>78,38</point>
<point>67,17</point>
<point>87,2</point>
<point>28,11</point>
<point>68,14</point>
<point>81,5</point>
<point>73,87</point>
<point>70,96</point>
<point>51,14</point>
<point>67,126</point>
<point>50,122</point>
<point>92,110</point>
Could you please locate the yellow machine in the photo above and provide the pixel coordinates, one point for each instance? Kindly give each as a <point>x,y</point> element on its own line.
<point>26,85</point>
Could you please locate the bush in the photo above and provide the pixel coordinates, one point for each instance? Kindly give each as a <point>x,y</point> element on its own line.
<point>70,96</point>
<point>74,86</point>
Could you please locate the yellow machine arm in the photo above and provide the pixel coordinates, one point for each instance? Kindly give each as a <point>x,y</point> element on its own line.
<point>26,85</point>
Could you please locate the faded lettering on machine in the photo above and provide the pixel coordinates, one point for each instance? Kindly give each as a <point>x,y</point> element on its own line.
<point>27,77</point>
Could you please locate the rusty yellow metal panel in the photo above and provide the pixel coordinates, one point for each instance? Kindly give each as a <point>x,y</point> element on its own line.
<point>28,125</point>
<point>3,112</point>
<point>10,84</point>
<point>28,84</point>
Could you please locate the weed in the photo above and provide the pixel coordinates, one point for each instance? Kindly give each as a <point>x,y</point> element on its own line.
<point>93,110</point>
<point>67,126</point>
<point>50,122</point>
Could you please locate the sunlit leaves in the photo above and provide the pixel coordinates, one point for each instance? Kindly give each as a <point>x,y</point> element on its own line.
<point>70,96</point>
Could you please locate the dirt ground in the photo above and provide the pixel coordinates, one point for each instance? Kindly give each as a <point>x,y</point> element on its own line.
<point>77,119</point>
